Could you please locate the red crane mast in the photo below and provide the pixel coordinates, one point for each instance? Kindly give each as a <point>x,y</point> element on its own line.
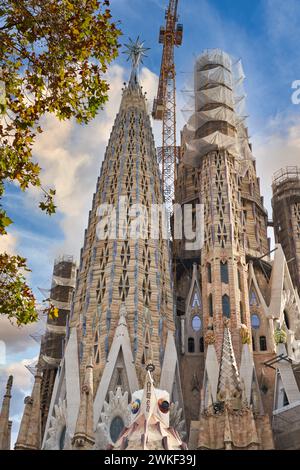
<point>164,106</point>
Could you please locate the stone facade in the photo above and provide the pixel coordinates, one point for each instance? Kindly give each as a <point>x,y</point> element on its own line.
<point>232,336</point>
<point>122,315</point>
<point>232,276</point>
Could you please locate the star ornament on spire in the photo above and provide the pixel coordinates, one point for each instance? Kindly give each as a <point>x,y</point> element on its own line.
<point>136,51</point>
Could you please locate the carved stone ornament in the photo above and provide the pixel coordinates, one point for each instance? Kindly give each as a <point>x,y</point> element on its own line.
<point>58,428</point>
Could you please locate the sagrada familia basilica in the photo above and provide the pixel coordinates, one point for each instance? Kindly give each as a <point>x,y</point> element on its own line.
<point>157,346</point>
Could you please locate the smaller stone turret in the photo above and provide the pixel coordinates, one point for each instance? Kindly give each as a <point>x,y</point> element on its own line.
<point>5,424</point>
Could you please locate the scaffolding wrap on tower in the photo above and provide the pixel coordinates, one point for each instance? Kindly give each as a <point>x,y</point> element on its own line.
<point>286,217</point>
<point>215,110</point>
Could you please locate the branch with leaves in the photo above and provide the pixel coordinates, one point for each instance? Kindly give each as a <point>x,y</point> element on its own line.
<point>53,58</point>
<point>16,298</point>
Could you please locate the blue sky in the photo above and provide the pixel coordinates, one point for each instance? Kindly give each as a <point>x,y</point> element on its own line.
<point>263,33</point>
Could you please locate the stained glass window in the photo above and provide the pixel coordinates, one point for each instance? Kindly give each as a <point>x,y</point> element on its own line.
<point>226,306</point>
<point>255,321</point>
<point>253,298</point>
<point>196,323</point>
<point>196,300</point>
<point>224,272</point>
<point>116,428</point>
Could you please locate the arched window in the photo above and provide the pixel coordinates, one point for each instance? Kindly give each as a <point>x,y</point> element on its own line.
<point>255,321</point>
<point>286,319</point>
<point>253,298</point>
<point>191,345</point>
<point>201,344</point>
<point>224,272</point>
<point>253,343</point>
<point>226,306</point>
<point>209,276</point>
<point>97,358</point>
<point>196,301</point>
<point>116,427</point>
<point>210,305</point>
<point>263,343</point>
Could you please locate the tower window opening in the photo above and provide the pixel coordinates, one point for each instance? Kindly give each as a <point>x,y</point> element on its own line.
<point>224,272</point>
<point>263,343</point>
<point>253,343</point>
<point>226,306</point>
<point>209,274</point>
<point>201,344</point>
<point>191,345</point>
<point>286,319</point>
<point>210,305</point>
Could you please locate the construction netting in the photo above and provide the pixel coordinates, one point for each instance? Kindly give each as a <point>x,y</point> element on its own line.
<point>215,109</point>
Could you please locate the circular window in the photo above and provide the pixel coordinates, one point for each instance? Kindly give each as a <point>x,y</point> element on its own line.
<point>116,428</point>
<point>196,323</point>
<point>164,406</point>
<point>255,322</point>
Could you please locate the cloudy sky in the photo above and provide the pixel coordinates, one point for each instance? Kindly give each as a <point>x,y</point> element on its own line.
<point>263,33</point>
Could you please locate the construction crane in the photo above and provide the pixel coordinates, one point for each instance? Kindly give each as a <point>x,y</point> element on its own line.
<point>164,106</point>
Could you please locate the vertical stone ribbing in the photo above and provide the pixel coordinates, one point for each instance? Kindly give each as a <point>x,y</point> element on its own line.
<point>125,270</point>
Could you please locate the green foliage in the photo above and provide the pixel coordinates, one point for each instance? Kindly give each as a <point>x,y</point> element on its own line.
<point>16,299</point>
<point>53,57</point>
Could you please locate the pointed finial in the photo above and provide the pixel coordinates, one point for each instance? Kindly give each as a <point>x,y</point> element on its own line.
<point>9,383</point>
<point>136,52</point>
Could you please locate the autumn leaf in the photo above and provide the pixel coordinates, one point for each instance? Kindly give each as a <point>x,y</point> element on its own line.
<point>53,57</point>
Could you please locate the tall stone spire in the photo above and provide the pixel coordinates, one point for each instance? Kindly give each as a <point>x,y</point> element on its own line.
<point>29,437</point>
<point>84,433</point>
<point>122,263</point>
<point>5,424</point>
<point>123,300</point>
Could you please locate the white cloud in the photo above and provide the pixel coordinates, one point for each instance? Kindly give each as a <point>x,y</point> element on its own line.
<point>23,379</point>
<point>8,243</point>
<point>278,148</point>
<point>17,338</point>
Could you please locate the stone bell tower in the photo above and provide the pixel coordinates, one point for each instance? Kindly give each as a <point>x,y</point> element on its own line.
<point>215,320</point>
